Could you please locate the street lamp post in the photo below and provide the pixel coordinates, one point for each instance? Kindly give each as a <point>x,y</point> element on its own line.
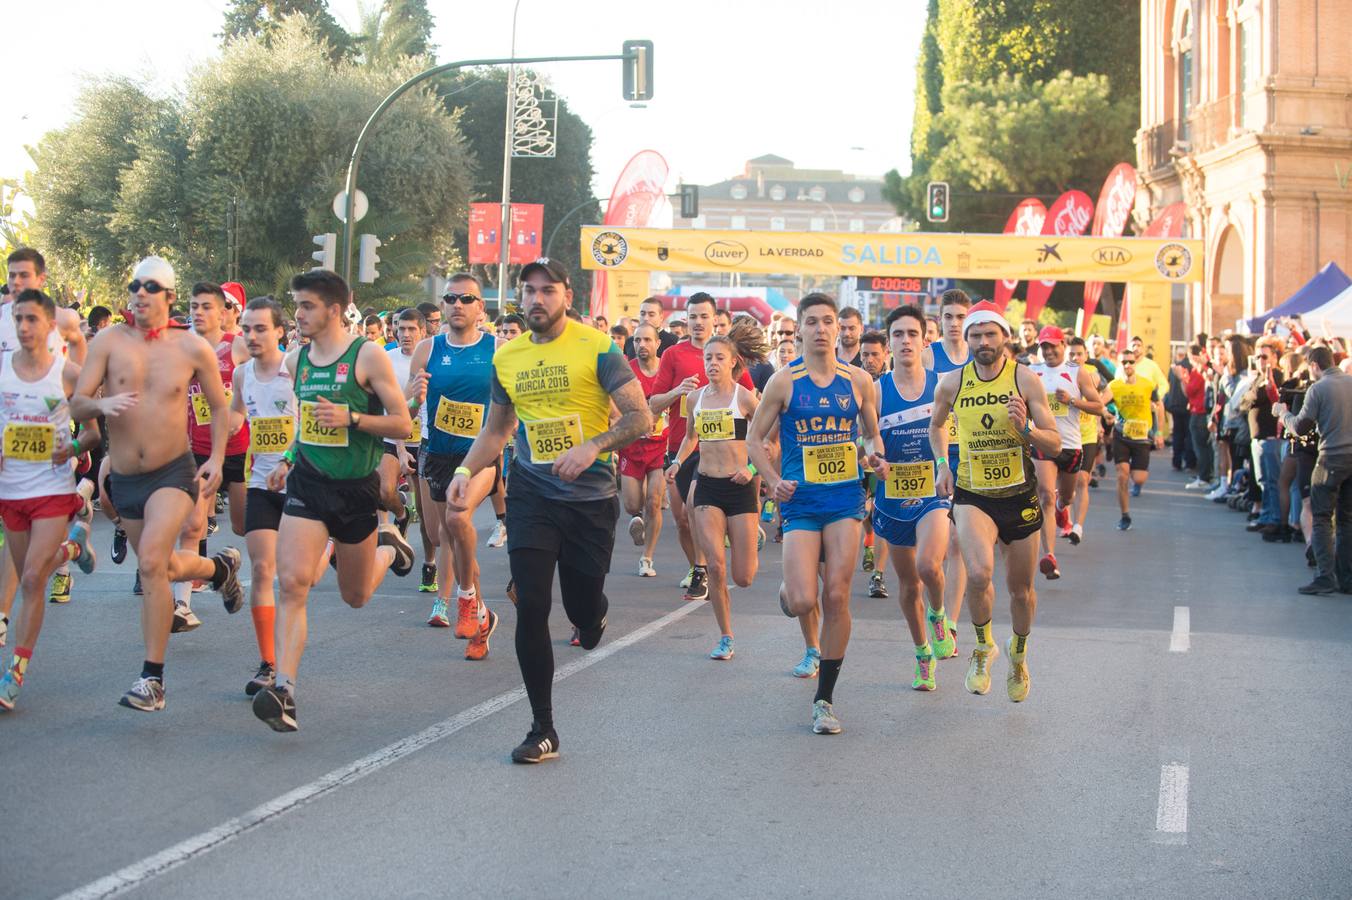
<point>505,226</point>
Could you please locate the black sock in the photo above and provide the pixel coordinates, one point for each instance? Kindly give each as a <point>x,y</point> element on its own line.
<point>218,577</point>
<point>153,670</point>
<point>202,547</point>
<point>826,679</point>
<point>501,516</point>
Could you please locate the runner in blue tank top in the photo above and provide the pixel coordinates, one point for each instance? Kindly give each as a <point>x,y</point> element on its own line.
<point>907,511</point>
<point>819,406</point>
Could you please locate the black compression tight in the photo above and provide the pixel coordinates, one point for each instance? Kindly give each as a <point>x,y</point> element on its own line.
<point>584,601</point>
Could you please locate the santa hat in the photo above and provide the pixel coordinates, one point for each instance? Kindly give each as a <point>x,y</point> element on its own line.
<point>234,291</point>
<point>984,313</point>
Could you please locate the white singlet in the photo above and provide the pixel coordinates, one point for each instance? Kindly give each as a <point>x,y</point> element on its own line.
<point>1066,377</point>
<point>403,365</point>
<point>271,408</point>
<point>35,420</point>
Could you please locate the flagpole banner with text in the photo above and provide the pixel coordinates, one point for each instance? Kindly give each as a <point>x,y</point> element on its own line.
<point>1027,218</point>
<point>972,256</point>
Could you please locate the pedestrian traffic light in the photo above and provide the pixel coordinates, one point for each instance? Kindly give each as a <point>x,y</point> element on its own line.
<point>689,201</point>
<point>638,70</point>
<point>327,254</point>
<point>367,258</point>
<point>937,208</point>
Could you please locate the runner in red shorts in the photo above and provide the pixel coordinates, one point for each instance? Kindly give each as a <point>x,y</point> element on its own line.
<point>642,463</point>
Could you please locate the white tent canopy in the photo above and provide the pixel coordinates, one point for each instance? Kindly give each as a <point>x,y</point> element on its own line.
<point>1335,317</point>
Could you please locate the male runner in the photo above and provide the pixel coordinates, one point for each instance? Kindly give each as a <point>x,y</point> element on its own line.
<point>145,368</point>
<point>819,406</point>
<point>907,511</point>
<point>400,458</point>
<point>1001,410</point>
<point>641,473</point>
<point>559,383</point>
<point>1091,425</point>
<point>457,370</point>
<point>332,490</point>
<point>873,359</point>
<point>851,333</point>
<point>1139,414</point>
<point>37,480</point>
<point>1071,392</point>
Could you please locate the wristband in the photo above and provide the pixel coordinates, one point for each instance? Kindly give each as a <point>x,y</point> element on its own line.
<point>289,457</point>
<point>1027,427</point>
<point>941,460</point>
<point>462,470</point>
<point>751,467</point>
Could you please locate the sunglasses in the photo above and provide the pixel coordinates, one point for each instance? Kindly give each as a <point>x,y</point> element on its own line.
<point>1128,362</point>
<point>788,333</point>
<point>466,299</point>
<point>151,286</point>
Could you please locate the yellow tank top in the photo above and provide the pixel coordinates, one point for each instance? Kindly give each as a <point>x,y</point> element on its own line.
<point>992,460</point>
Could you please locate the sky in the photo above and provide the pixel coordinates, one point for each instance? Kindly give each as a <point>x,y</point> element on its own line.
<point>827,85</point>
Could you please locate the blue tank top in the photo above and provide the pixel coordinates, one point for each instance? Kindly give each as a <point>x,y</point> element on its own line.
<point>458,390</point>
<point>817,418</point>
<point>942,363</point>
<point>904,425</point>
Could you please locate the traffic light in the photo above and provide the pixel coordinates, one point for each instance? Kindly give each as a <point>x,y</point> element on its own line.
<point>327,254</point>
<point>367,258</point>
<point>937,208</point>
<point>638,70</point>
<point>689,201</point>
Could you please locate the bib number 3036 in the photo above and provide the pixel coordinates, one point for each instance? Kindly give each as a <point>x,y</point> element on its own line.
<point>551,438</point>
<point>831,464</point>
<point>316,435</point>
<point>30,443</point>
<point>271,434</point>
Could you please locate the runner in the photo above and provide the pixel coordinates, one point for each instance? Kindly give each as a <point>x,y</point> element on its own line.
<point>332,489</point>
<point>818,490</point>
<point>456,371</point>
<point>873,357</point>
<point>726,490</point>
<point>642,479</point>
<point>400,458</point>
<point>37,479</point>
<point>907,512</point>
<point>559,383</point>
<point>1139,414</point>
<point>1000,409</point>
<point>146,368</point>
<point>1091,425</point>
<point>1071,393</point>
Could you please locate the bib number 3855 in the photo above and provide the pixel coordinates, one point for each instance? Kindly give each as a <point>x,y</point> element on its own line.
<point>551,438</point>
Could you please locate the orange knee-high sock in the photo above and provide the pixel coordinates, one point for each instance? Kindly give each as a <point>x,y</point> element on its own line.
<point>264,618</point>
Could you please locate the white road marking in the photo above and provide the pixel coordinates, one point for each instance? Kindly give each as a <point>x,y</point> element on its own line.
<point>1180,640</point>
<point>138,873</point>
<point>1171,815</point>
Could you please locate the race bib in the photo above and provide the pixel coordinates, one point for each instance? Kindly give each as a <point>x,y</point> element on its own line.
<point>831,464</point>
<point>660,425</point>
<point>997,469</point>
<point>316,435</point>
<point>952,429</point>
<point>715,425</point>
<point>1136,430</point>
<point>1088,428</point>
<point>30,443</point>
<point>201,409</point>
<point>460,419</point>
<point>910,481</point>
<point>685,406</point>
<point>1058,408</point>
<point>551,438</point>
<point>415,436</point>
<point>271,434</point>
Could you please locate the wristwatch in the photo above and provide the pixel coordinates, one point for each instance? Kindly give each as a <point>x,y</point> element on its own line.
<point>353,418</point>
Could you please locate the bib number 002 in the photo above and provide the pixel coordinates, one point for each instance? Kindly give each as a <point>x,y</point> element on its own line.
<point>831,464</point>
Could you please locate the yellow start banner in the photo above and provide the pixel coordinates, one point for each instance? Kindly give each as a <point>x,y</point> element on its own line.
<point>914,254</point>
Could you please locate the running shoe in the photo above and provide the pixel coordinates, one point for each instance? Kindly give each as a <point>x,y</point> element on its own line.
<point>146,694</point>
<point>1135,489</point>
<point>136,588</point>
<point>699,586</point>
<point>645,568</point>
<point>1102,470</point>
<point>590,637</point>
<point>212,527</point>
<point>231,591</point>
<point>540,744</point>
<point>943,638</point>
<point>979,668</point>
<point>723,650</point>
<point>1076,533</point>
<point>1218,493</point>
<point>184,619</point>
<point>575,640</point>
<point>467,617</point>
<point>403,521</point>
<point>1064,532</point>
<point>1124,523</point>
<point>511,590</point>
<point>429,579</point>
<point>1093,482</point>
<point>9,691</point>
<point>220,504</point>
<point>924,674</point>
<point>868,559</point>
<point>265,677</point>
<point>391,536</point>
<point>79,535</point>
<point>812,661</point>
<point>1016,683</point>
<point>760,539</point>
<point>768,511</point>
<point>824,719</point>
<point>1062,517</point>
<point>877,587</point>
<point>685,582</point>
<point>499,535</point>
<point>1047,565</point>
<point>638,531</point>
<point>477,648</point>
<point>60,588</point>
<point>1197,484</point>
<point>119,555</point>
<point>439,617</point>
<point>277,708</point>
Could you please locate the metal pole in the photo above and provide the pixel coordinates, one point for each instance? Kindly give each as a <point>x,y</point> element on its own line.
<point>566,216</point>
<point>505,226</point>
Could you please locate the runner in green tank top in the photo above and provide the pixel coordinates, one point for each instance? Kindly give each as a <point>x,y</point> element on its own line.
<point>346,406</point>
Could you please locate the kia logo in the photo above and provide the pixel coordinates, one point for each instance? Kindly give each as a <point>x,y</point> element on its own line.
<point>1112,256</point>
<point>726,253</point>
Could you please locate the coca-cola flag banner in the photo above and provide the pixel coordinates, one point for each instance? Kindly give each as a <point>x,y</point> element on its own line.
<point>1069,216</point>
<point>1027,218</point>
<point>1110,220</point>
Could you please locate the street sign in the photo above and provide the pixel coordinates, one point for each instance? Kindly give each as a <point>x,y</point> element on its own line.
<point>359,206</point>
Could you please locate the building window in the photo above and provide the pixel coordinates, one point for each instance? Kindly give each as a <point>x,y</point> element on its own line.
<point>856,224</point>
<point>737,222</point>
<point>856,194</point>
<point>776,223</point>
<point>817,193</point>
<point>816,223</point>
<point>777,192</point>
<point>1184,50</point>
<point>737,192</point>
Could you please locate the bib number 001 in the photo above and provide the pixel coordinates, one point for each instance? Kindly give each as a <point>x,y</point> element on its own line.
<point>715,425</point>
<point>831,464</point>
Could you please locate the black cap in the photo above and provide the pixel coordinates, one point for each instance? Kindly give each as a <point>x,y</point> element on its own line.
<point>552,269</point>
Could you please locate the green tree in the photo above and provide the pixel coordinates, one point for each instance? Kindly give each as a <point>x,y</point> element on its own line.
<point>263,18</point>
<point>394,29</point>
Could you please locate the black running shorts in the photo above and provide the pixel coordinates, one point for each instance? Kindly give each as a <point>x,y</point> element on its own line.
<point>347,507</point>
<point>1015,517</point>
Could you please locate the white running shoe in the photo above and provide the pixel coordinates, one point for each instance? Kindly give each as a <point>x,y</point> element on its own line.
<point>638,530</point>
<point>645,568</point>
<point>1196,485</point>
<point>499,535</point>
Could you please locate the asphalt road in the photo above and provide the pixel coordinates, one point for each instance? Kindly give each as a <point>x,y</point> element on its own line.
<point>1200,753</point>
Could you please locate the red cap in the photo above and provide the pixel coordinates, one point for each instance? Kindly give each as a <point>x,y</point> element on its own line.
<point>235,291</point>
<point>1050,334</point>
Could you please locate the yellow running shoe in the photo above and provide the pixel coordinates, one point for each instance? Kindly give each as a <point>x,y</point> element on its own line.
<point>60,588</point>
<point>979,668</point>
<point>1016,683</point>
